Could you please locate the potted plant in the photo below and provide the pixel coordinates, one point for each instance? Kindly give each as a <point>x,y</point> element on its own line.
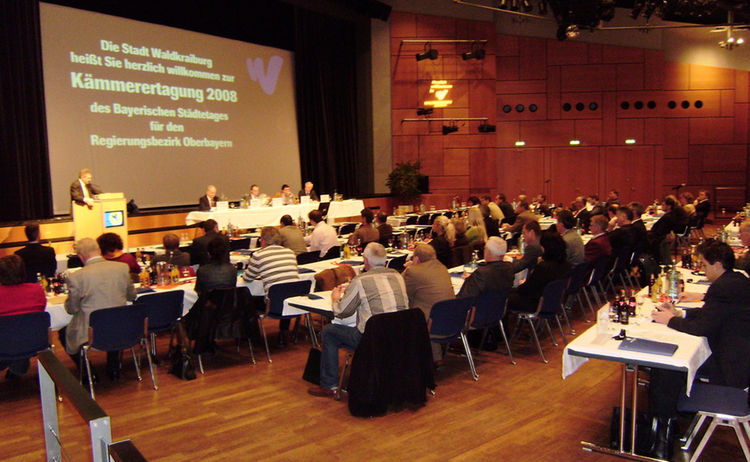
<point>404,181</point>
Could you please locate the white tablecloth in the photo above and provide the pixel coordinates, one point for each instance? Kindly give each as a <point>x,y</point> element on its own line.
<point>270,216</point>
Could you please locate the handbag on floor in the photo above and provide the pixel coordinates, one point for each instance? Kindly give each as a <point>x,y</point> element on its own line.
<point>182,362</point>
<point>312,368</point>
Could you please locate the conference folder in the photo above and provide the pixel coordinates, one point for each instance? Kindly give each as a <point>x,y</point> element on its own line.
<point>642,345</point>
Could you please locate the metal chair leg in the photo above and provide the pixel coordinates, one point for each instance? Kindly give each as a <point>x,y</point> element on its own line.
<point>536,339</point>
<point>557,318</point>
<point>311,329</point>
<point>250,346</point>
<point>200,364</point>
<point>265,339</point>
<point>474,374</point>
<point>153,344</point>
<point>704,440</point>
<point>505,339</point>
<point>567,321</point>
<point>150,364</point>
<point>135,362</point>
<point>549,331</point>
<point>85,351</point>
<point>693,429</point>
<point>347,363</point>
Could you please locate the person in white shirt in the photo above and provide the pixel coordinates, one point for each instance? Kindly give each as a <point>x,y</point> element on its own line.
<point>323,237</point>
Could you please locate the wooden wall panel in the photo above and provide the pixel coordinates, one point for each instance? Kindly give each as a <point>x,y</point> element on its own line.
<point>456,161</point>
<point>709,77</point>
<point>593,77</point>
<point>559,53</point>
<point>510,162</point>
<point>533,59</point>
<point>574,171</point>
<point>431,154</point>
<point>483,164</point>
<point>626,171</point>
<point>630,77</point>
<point>711,130</point>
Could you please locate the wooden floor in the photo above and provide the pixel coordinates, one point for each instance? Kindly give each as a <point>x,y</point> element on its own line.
<point>239,411</point>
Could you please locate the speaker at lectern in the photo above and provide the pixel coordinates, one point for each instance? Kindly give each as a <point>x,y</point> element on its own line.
<point>108,214</point>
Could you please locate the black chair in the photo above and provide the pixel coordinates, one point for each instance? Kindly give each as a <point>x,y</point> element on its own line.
<point>411,220</point>
<point>308,257</point>
<point>424,219</point>
<point>347,228</point>
<point>548,308</point>
<point>277,293</point>
<point>22,336</point>
<point>489,310</point>
<point>578,279</point>
<point>164,312</point>
<point>333,252</point>
<point>448,320</point>
<point>397,263</point>
<point>117,329</point>
<point>239,244</point>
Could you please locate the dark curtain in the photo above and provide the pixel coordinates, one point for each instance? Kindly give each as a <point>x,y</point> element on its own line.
<point>325,74</point>
<point>24,163</point>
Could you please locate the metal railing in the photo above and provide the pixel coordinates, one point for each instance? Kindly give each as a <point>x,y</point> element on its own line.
<point>53,373</point>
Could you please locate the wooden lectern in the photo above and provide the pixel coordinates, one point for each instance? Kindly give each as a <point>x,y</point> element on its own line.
<point>109,214</point>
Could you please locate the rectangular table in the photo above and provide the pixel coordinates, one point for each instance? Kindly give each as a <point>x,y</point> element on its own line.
<point>597,343</point>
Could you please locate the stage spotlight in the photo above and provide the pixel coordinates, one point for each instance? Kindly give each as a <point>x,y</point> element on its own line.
<point>449,129</point>
<point>473,54</point>
<point>486,128</point>
<point>502,4</point>
<point>428,53</point>
<point>424,111</point>
<point>527,6</point>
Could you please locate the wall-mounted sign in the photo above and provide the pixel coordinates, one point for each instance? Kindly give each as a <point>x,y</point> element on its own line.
<point>439,89</point>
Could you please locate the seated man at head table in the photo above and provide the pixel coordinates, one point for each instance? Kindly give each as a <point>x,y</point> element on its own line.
<point>323,237</point>
<point>198,249</point>
<point>286,195</point>
<point>111,247</point>
<point>291,236</point>
<point>272,264</point>
<point>365,233</point>
<point>82,191</point>
<point>172,253</point>
<point>208,200</point>
<point>309,191</point>
<point>36,257</point>
<point>99,284</point>
<point>724,320</point>
<point>18,297</point>
<point>377,290</point>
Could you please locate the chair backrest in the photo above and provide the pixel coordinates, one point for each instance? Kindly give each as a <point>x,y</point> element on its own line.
<point>23,335</point>
<point>308,257</point>
<point>599,269</point>
<point>457,255</point>
<point>277,293</point>
<point>237,244</point>
<point>578,278</point>
<point>347,228</point>
<point>552,297</point>
<point>449,317</point>
<point>448,214</point>
<point>397,263</point>
<point>164,309</point>
<point>333,252</point>
<point>433,216</point>
<point>231,312</point>
<point>424,219</point>
<point>411,220</point>
<point>117,328</point>
<point>489,308</point>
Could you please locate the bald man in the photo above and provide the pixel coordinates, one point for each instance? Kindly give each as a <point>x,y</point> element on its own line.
<point>208,200</point>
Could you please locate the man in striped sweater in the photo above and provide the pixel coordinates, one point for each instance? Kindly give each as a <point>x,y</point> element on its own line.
<point>377,290</point>
<point>273,264</point>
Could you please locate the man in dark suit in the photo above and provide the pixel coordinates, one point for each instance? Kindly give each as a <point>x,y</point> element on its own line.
<point>506,208</point>
<point>724,320</point>
<point>622,238</point>
<point>309,191</point>
<point>199,248</point>
<point>702,208</point>
<point>384,229</point>
<point>37,257</point>
<point>673,221</point>
<point>82,192</point>
<point>638,228</point>
<point>491,225</point>
<point>580,213</point>
<point>493,274</point>
<point>207,201</point>
<point>599,245</point>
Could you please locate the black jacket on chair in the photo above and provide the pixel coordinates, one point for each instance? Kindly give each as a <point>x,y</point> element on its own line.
<point>392,364</point>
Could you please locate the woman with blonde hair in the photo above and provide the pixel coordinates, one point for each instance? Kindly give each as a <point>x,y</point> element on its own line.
<point>443,237</point>
<point>477,231</point>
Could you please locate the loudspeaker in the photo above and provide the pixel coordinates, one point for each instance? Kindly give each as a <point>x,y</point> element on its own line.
<point>424,184</point>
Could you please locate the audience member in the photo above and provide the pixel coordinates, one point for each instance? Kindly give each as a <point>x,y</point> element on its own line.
<point>640,234</point>
<point>540,206</point>
<point>724,320</point>
<point>323,237</point>
<point>217,272</point>
<point>573,243</point>
<point>377,290</point>
<point>384,229</point>
<point>273,264</point>
<point>685,198</point>
<point>702,207</point>
<point>36,257</point>
<point>291,236</point>
<point>198,249</point>
<point>495,211</point>
<point>460,227</point>
<point>172,253</point>
<point>506,208</point>
<point>622,238</point>
<point>531,233</point>
<point>493,274</point>
<point>523,216</point>
<point>443,236</point>
<point>308,190</point>
<point>476,231</point>
<point>366,233</point>
<point>553,266</point>
<point>111,247</point>
<point>613,198</point>
<point>581,213</point>
<point>598,246</point>
<point>99,284</point>
<point>18,297</point>
<point>208,200</point>
<point>472,201</point>
<point>673,221</point>
<point>743,262</point>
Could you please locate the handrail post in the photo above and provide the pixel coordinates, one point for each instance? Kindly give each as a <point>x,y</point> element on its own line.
<point>49,414</point>
<point>101,438</point>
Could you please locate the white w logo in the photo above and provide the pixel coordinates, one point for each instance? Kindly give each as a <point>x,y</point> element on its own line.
<point>268,78</point>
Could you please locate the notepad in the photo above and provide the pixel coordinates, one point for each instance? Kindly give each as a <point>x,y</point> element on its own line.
<point>642,345</point>
<point>350,262</point>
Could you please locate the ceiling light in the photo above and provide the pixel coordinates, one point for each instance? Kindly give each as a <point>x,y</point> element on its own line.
<point>424,111</point>
<point>575,142</point>
<point>520,143</point>
<point>486,128</point>
<point>449,129</point>
<point>428,53</point>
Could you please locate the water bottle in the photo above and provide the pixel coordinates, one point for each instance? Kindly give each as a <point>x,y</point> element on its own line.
<point>674,283</point>
<point>521,244</point>
<point>474,260</point>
